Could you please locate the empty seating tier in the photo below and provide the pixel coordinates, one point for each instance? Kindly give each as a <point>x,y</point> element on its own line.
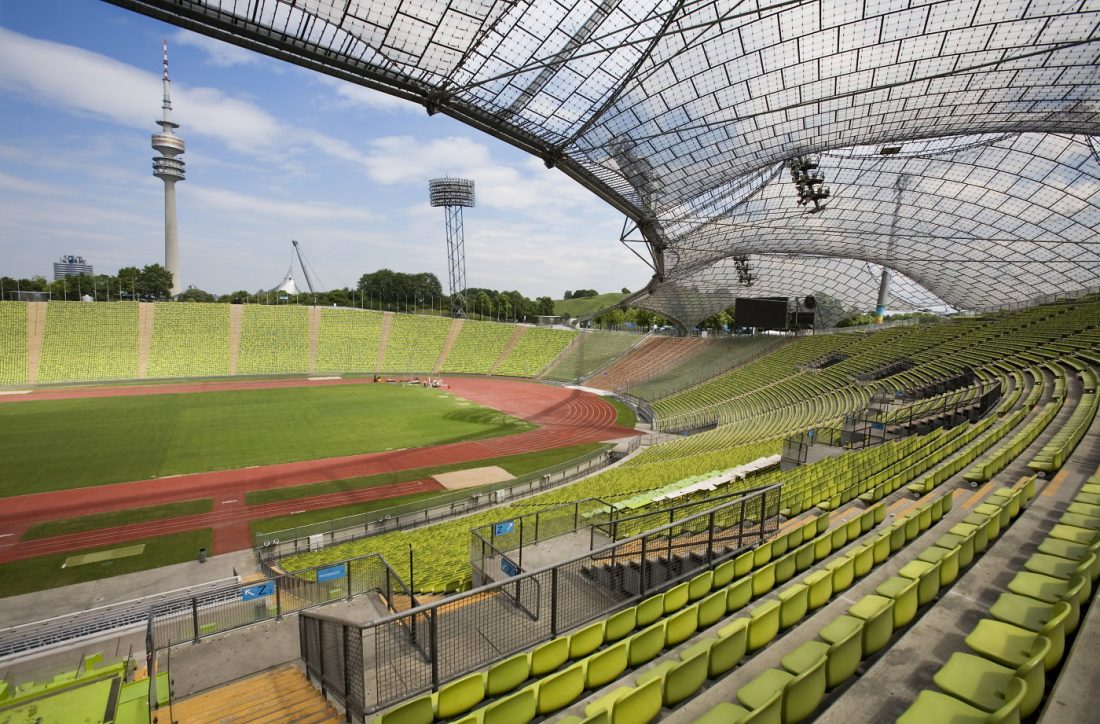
<point>13,343</point>
<point>348,339</point>
<point>274,340</point>
<point>536,349</point>
<point>189,340</point>
<point>478,347</point>
<point>415,343</point>
<point>591,351</point>
<point>87,341</point>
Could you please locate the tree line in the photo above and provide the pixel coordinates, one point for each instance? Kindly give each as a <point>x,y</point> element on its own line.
<point>382,290</point>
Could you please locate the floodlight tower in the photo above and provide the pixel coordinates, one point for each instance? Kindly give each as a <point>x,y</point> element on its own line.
<point>452,194</point>
<point>884,283</point>
<point>169,169</point>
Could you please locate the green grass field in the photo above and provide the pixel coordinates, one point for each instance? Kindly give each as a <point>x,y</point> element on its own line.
<point>60,444</point>
<point>517,465</point>
<point>114,518</point>
<point>584,305</point>
<point>38,574</point>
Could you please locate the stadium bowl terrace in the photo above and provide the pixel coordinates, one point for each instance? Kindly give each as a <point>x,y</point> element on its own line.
<point>990,423</point>
<point>928,548</point>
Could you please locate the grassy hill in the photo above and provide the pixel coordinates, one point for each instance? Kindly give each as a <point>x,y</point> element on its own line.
<point>577,307</point>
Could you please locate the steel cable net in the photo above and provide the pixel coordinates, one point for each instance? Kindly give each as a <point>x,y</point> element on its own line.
<point>681,112</point>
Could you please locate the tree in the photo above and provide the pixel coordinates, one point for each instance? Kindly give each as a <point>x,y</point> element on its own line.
<point>544,306</point>
<point>237,297</point>
<point>194,294</point>
<point>568,294</point>
<point>154,282</point>
<point>625,290</point>
<point>127,280</point>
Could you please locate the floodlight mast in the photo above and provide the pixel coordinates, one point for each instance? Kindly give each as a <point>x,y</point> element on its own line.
<point>453,194</point>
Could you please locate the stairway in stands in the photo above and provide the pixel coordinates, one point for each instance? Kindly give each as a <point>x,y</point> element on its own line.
<point>279,695</point>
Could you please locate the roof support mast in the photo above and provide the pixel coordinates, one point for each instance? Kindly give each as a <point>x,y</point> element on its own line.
<point>301,263</point>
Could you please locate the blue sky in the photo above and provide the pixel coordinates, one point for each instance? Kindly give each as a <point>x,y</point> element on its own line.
<point>274,153</point>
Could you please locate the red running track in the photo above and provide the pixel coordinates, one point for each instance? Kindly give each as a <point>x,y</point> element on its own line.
<point>564,416</point>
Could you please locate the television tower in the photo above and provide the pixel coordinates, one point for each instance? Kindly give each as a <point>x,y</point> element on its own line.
<point>452,194</point>
<point>169,169</point>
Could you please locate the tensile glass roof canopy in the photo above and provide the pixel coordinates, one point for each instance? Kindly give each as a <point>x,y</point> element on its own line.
<point>955,138</point>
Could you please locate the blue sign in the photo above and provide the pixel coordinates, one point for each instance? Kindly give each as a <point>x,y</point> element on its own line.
<point>258,591</point>
<point>330,573</point>
<point>508,567</point>
<point>504,528</point>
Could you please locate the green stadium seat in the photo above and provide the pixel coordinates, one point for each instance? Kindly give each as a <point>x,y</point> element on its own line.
<point>948,560</point>
<point>680,679</point>
<point>904,592</point>
<point>712,608</point>
<point>682,625</point>
<point>985,684</point>
<point>1048,620</point>
<point>877,613</point>
<point>820,585</point>
<point>764,625</point>
<point>606,666</point>
<point>646,644</point>
<point>518,707</point>
<point>738,595</point>
<point>793,604</point>
<point>460,696</point>
<point>414,711</point>
<point>843,573</point>
<point>650,610</point>
<point>700,585</point>
<point>507,675</point>
<point>801,693</point>
<point>621,624</point>
<point>549,656</point>
<point>928,577</point>
<point>844,636</point>
<point>932,706</point>
<point>586,640</point>
<point>559,690</point>
<point>676,598</point>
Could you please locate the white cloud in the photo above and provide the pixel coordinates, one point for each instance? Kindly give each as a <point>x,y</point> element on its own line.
<point>217,52</point>
<point>86,83</point>
<point>350,95</point>
<point>272,209</point>
<point>9,182</point>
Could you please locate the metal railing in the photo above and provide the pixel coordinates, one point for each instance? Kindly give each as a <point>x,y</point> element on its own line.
<point>244,604</point>
<point>370,667</point>
<point>110,619</point>
<point>273,546</point>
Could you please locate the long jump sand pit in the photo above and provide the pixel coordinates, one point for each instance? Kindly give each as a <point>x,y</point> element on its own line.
<point>473,477</point>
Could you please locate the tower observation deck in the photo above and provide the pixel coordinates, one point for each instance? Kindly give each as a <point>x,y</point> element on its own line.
<point>169,169</point>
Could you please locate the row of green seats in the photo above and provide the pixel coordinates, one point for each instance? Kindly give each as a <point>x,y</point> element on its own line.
<point>977,439</point>
<point>770,694</point>
<point>659,619</point>
<point>1025,635</point>
<point>478,347</point>
<point>13,343</point>
<point>793,692</point>
<point>348,340</point>
<point>189,340</point>
<point>592,351</point>
<point>536,349</point>
<point>274,340</point>
<point>999,459</point>
<point>1058,448</point>
<point>87,341</point>
<point>414,343</point>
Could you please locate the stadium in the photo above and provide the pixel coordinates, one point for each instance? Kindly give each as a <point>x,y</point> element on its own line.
<point>251,512</point>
